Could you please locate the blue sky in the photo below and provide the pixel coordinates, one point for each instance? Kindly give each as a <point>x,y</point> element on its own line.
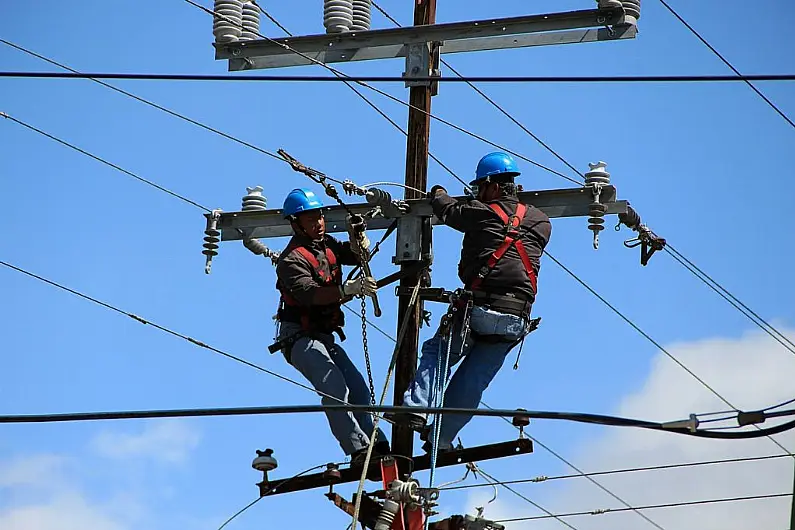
<point>704,164</point>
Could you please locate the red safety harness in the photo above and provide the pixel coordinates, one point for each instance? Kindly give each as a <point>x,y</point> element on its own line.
<point>512,238</point>
<point>333,277</point>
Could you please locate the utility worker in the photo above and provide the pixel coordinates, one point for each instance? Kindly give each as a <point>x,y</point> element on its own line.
<point>499,265</point>
<point>309,278</point>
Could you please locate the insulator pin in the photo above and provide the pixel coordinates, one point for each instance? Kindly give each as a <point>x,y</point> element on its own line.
<point>211,239</point>
<point>250,24</point>
<point>337,15</point>
<point>595,179</point>
<point>254,200</point>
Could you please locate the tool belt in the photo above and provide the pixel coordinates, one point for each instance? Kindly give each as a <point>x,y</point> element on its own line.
<point>285,344</point>
<point>503,304</point>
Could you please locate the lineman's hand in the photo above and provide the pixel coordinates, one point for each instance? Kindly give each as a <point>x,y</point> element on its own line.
<point>435,190</point>
<point>363,243</point>
<point>363,285</point>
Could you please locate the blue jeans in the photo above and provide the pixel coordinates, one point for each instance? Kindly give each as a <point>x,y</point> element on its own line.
<point>480,362</point>
<point>327,367</point>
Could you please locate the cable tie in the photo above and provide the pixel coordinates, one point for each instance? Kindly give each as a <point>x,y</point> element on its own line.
<point>689,424</point>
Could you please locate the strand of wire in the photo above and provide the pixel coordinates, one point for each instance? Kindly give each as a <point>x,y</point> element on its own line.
<point>523,497</point>
<point>412,306</point>
<point>255,501</point>
<point>102,160</point>
<point>654,342</point>
<point>146,102</point>
<point>650,507</point>
<point>581,473</point>
<point>668,247</point>
<point>490,100</point>
<point>547,448</point>
<point>543,478</point>
<point>29,74</point>
<point>727,63</point>
<point>370,104</point>
<point>440,388</point>
<point>167,330</point>
<point>730,298</point>
<point>390,96</point>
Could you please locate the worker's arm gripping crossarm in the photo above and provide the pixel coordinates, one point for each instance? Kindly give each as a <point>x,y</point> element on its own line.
<point>458,215</point>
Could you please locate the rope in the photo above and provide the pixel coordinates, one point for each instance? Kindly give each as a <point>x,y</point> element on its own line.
<point>442,367</point>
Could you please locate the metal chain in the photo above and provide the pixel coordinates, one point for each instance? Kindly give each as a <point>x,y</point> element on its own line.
<point>367,351</point>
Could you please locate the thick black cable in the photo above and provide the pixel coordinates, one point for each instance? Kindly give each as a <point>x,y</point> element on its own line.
<point>651,340</point>
<point>166,330</point>
<point>146,101</point>
<point>729,297</point>
<point>99,159</point>
<point>625,470</point>
<point>648,507</point>
<point>396,79</point>
<point>389,96</point>
<point>727,63</point>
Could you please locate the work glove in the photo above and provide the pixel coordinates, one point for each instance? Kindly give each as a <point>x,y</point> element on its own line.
<point>361,286</point>
<point>363,243</point>
<point>434,190</point>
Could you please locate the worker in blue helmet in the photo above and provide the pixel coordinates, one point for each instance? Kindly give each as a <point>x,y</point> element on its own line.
<point>309,278</point>
<point>500,260</point>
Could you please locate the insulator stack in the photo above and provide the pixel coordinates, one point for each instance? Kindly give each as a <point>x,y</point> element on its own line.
<point>253,200</point>
<point>337,15</point>
<point>361,15</point>
<point>227,20</point>
<point>211,241</point>
<point>387,515</point>
<point>250,21</point>
<point>595,179</point>
<point>631,11</point>
<point>378,197</point>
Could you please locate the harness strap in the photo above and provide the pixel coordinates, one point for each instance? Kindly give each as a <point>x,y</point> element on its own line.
<point>333,276</point>
<point>512,238</point>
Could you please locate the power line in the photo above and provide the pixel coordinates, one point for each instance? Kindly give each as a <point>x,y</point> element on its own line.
<point>491,101</point>
<point>494,481</point>
<point>649,507</point>
<point>388,95</point>
<point>398,79</point>
<point>625,470</point>
<point>650,339</point>
<point>146,101</point>
<point>581,473</point>
<point>165,329</point>
<point>99,159</point>
<point>730,298</point>
<point>727,63</point>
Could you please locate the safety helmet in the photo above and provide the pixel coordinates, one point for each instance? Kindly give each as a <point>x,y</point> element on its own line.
<point>300,200</point>
<point>493,164</point>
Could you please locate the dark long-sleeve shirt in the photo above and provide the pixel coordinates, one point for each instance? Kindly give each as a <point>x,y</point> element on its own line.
<point>484,232</point>
<point>297,276</point>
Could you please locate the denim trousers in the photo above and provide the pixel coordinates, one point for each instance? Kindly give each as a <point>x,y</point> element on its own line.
<point>327,367</point>
<point>480,362</point>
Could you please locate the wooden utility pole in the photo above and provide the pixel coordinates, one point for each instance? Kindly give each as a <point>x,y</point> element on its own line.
<point>419,128</point>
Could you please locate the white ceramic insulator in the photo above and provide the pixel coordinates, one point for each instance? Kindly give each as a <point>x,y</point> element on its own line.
<point>361,15</point>
<point>337,15</point>
<point>227,21</point>
<point>250,21</point>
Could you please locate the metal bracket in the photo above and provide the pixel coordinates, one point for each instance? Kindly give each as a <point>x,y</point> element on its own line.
<point>408,246</point>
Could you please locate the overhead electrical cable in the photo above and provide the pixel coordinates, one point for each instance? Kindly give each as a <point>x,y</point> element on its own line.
<point>543,478</point>
<point>389,96</point>
<point>649,507</point>
<point>727,63</point>
<point>128,76</point>
<point>99,159</point>
<point>165,329</point>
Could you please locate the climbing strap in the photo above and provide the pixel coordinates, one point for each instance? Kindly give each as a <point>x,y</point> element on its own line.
<point>512,238</point>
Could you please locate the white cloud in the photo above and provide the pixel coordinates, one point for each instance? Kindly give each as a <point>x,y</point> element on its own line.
<point>164,441</point>
<point>752,372</point>
<point>68,511</point>
<point>33,470</point>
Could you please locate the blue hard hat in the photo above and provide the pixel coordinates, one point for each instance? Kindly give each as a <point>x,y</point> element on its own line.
<point>300,200</point>
<point>497,163</point>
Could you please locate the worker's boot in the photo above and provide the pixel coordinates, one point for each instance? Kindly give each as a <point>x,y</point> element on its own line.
<point>374,469</point>
<point>409,419</point>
